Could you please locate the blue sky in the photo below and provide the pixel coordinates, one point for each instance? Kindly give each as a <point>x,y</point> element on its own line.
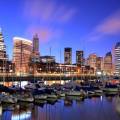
<point>89,25</point>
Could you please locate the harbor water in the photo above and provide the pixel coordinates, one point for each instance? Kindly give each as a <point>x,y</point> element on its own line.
<point>101,108</point>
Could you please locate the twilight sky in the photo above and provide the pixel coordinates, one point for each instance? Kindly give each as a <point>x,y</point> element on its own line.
<point>89,25</point>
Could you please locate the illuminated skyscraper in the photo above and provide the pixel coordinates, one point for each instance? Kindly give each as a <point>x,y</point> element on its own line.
<point>117,58</point>
<point>35,56</point>
<point>5,65</point>
<point>92,61</point>
<point>80,58</point>
<point>21,55</point>
<point>68,55</point>
<point>2,47</point>
<point>108,63</point>
<point>99,63</point>
<point>36,44</point>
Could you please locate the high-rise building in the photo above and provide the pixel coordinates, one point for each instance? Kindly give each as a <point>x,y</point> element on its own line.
<point>99,63</point>
<point>36,44</point>
<point>35,56</point>
<point>117,58</point>
<point>108,69</point>
<point>92,60</point>
<point>3,54</point>
<point>79,58</point>
<point>6,66</point>
<point>21,55</point>
<point>68,55</point>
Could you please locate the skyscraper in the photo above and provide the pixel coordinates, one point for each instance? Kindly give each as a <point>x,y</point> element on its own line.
<point>35,56</point>
<point>92,61</point>
<point>21,55</point>
<point>68,55</point>
<point>99,63</point>
<point>2,47</point>
<point>79,58</point>
<point>117,58</point>
<point>108,63</point>
<point>36,44</point>
<point>4,63</point>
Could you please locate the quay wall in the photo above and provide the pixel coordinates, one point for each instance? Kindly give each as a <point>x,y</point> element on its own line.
<point>47,78</point>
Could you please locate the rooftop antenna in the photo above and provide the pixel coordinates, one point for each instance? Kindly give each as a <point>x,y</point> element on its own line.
<point>50,51</point>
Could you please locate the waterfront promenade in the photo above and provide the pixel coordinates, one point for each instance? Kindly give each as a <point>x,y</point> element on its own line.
<point>46,76</point>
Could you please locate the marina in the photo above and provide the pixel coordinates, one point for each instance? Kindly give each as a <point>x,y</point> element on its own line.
<point>40,99</point>
<point>60,60</point>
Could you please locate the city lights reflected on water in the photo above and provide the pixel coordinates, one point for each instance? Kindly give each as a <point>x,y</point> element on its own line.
<point>66,109</point>
<point>101,98</point>
<point>0,110</point>
<point>23,116</point>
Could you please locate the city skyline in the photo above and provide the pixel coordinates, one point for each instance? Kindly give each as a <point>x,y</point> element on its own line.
<point>61,56</point>
<point>66,24</point>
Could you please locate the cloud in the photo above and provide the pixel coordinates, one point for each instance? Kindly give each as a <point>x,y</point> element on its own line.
<point>45,34</point>
<point>48,10</point>
<point>110,26</point>
<point>46,17</point>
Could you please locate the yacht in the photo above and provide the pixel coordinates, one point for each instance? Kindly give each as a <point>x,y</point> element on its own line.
<point>9,99</point>
<point>74,93</point>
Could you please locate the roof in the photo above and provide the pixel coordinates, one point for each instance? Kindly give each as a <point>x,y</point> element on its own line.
<point>23,39</point>
<point>108,54</point>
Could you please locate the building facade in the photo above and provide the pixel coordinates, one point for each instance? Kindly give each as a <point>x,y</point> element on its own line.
<point>35,56</point>
<point>117,58</point>
<point>108,67</point>
<point>21,55</point>
<point>68,56</point>
<point>92,61</point>
<point>79,58</point>
<point>3,54</point>
<point>6,66</point>
<point>99,63</point>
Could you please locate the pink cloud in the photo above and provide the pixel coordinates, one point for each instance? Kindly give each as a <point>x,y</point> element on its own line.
<point>47,11</point>
<point>45,34</point>
<point>110,26</point>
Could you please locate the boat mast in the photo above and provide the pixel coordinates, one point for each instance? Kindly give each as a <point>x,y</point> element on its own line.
<point>60,66</point>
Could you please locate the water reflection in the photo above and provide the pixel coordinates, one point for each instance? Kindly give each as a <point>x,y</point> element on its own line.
<point>63,109</point>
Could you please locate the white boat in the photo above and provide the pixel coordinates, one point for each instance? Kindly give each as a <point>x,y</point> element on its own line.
<point>62,94</point>
<point>51,96</point>
<point>40,97</point>
<point>25,98</point>
<point>30,86</point>
<point>74,93</point>
<point>98,91</point>
<point>110,89</point>
<point>9,99</point>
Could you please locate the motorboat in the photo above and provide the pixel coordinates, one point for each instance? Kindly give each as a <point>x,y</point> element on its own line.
<point>40,97</point>
<point>25,98</point>
<point>74,93</point>
<point>9,99</point>
<point>110,89</point>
